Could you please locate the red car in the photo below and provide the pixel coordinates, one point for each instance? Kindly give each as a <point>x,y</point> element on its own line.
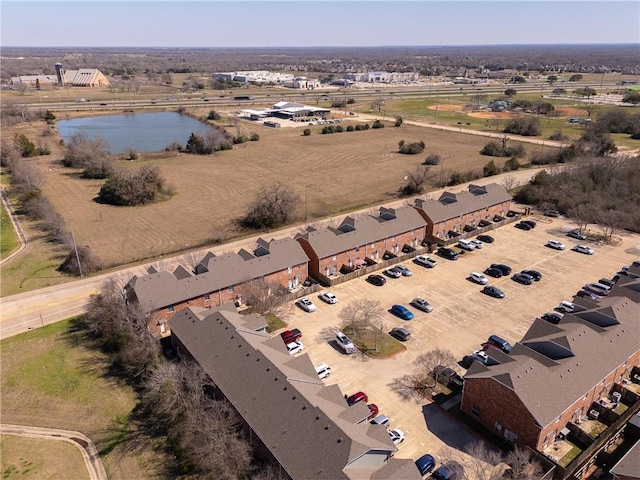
<point>357,397</point>
<point>290,336</point>
<point>373,408</point>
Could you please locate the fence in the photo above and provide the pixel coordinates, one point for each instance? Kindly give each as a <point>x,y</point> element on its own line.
<point>478,230</point>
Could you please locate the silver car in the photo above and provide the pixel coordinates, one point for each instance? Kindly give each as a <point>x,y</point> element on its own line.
<point>422,304</point>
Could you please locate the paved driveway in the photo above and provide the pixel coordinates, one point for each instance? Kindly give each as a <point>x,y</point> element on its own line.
<point>463,318</point>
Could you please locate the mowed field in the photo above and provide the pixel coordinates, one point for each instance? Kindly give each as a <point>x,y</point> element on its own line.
<point>336,173</point>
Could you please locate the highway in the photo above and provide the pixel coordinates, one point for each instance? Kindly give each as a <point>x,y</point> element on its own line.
<point>30,310</point>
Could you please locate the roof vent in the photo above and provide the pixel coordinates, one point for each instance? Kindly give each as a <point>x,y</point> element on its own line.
<point>326,427</point>
<point>268,369</point>
<point>248,354</point>
<point>275,379</point>
<point>317,417</point>
<point>340,440</point>
<point>304,407</point>
<point>284,388</point>
<point>294,397</point>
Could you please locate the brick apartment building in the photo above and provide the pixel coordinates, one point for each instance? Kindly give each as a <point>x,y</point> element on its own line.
<point>331,250</point>
<point>302,427</point>
<point>559,375</point>
<point>218,280</point>
<point>448,216</point>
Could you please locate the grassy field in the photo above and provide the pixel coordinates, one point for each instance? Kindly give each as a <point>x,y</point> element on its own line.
<point>338,172</point>
<point>50,379</point>
<point>8,236</point>
<point>34,458</point>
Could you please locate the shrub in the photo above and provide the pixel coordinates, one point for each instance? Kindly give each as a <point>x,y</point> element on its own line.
<point>350,128</point>
<point>411,148</point>
<point>365,126</point>
<point>213,115</point>
<point>131,154</point>
<point>502,149</point>
<point>254,137</point>
<point>82,150</point>
<point>339,129</point>
<point>141,187</point>
<point>240,139</point>
<point>525,126</point>
<point>88,262</point>
<point>48,115</point>
<point>25,146</point>
<point>99,168</point>
<point>398,121</point>
<point>456,178</point>
<point>433,159</point>
<point>351,101</point>
<point>558,135</point>
<point>173,147</point>
<point>511,164</point>
<point>306,132</point>
<point>328,129</point>
<point>490,169</point>
<point>377,124</point>
<point>359,128</point>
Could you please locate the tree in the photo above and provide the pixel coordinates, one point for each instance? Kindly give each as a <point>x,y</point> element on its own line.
<point>509,182</point>
<point>633,98</point>
<point>415,180</point>
<point>430,364</point>
<point>511,164</point>
<point>88,261</point>
<point>306,132</point>
<point>273,206</point>
<point>377,104</point>
<point>81,150</point>
<point>213,115</point>
<point>411,148</point>
<point>510,92</point>
<point>525,126</point>
<point>264,297</point>
<point>398,121</point>
<point>559,91</point>
<point>377,124</point>
<point>584,92</point>
<point>552,79</point>
<point>433,159</point>
<point>576,77</point>
<point>490,169</point>
<point>140,187</point>
<point>522,466</point>
<point>519,79</point>
<point>360,315</point>
<point>25,146</point>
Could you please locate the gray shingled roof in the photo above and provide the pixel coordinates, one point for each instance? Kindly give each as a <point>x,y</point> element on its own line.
<point>451,205</point>
<point>629,464</point>
<point>554,365</point>
<point>360,231</point>
<point>158,290</point>
<point>279,396</point>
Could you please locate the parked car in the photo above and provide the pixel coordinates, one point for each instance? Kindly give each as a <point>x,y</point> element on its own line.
<point>485,238</point>
<point>295,347</point>
<point>505,269</point>
<point>499,342</point>
<point>448,376</point>
<point>478,278</point>
<point>305,304</point>
<point>466,245</point>
<point>552,317</point>
<point>289,336</point>
<point>396,435</point>
<point>523,278</point>
<point>425,261</point>
<point>583,249</point>
<point>537,276</point>
<point>357,397</point>
<point>597,288</point>
<point>422,304</point>
<point>448,253</point>
<point>345,343</point>
<point>586,294</point>
<point>477,243</point>
<point>400,333</point>
<point>450,471</point>
<point>552,213</point>
<point>555,244</point>
<point>380,420</point>
<point>529,222</point>
<point>522,226</point>
<point>493,291</point>
<point>493,272</point>
<point>373,411</point>
<point>606,281</point>
<point>402,312</point>
<point>577,235</point>
<point>328,297</point>
<point>566,307</point>
<point>405,271</point>
<point>323,370</point>
<point>425,463</point>
<point>392,272</point>
<point>468,360</point>
<point>377,280</point>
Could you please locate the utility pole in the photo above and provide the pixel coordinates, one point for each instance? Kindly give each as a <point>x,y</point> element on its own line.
<point>75,247</point>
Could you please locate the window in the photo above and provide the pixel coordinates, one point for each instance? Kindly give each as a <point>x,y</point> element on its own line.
<point>289,270</point>
<point>207,297</point>
<point>373,245</point>
<point>335,258</point>
<point>498,427</point>
<point>170,308</point>
<point>357,249</point>
<point>510,436</point>
<point>475,411</point>
<point>230,289</point>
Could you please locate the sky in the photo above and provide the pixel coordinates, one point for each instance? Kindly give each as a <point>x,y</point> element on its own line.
<point>302,23</point>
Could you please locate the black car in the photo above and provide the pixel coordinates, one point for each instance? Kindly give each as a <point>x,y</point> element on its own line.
<point>450,471</point>
<point>537,276</point>
<point>552,317</point>
<point>485,238</point>
<point>522,226</point>
<point>523,278</point>
<point>468,360</point>
<point>377,280</point>
<point>607,282</point>
<point>493,291</point>
<point>448,253</point>
<point>493,272</point>
<point>531,223</point>
<point>505,269</point>
<point>585,294</point>
<point>577,235</point>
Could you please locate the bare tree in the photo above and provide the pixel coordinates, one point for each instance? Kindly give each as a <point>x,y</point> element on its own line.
<point>416,179</point>
<point>264,297</point>
<point>430,364</point>
<point>360,315</point>
<point>509,182</point>
<point>405,387</point>
<point>582,215</point>
<point>483,462</point>
<point>82,150</point>
<point>273,206</point>
<point>377,104</point>
<point>522,465</point>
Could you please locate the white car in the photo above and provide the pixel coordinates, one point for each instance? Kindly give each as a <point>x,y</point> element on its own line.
<point>476,243</point>
<point>405,271</point>
<point>397,436</point>
<point>425,261</point>
<point>295,347</point>
<point>555,244</point>
<point>345,343</point>
<point>323,370</point>
<point>328,297</point>
<point>583,249</point>
<point>307,305</point>
<point>478,278</point>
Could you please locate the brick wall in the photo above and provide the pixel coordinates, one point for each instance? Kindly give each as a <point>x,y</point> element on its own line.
<point>457,224</point>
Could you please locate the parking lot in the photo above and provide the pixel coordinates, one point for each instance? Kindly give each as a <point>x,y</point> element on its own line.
<point>462,319</point>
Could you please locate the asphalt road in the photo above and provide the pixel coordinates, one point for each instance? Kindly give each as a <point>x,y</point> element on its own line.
<point>26,311</point>
<point>84,444</point>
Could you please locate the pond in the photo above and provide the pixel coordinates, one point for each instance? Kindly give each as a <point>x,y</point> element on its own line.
<point>146,132</point>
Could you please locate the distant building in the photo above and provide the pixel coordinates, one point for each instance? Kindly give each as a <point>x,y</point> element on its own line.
<point>302,83</point>
<point>255,76</point>
<point>83,77</point>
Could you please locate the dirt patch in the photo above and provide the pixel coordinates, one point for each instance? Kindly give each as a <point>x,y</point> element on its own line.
<point>448,107</point>
<point>492,115</point>
<point>571,111</point>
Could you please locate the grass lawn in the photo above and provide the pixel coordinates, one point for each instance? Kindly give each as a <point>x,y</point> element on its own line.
<point>50,379</point>
<point>375,343</point>
<point>8,236</point>
<point>25,458</point>
<point>570,456</point>
<point>274,322</point>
